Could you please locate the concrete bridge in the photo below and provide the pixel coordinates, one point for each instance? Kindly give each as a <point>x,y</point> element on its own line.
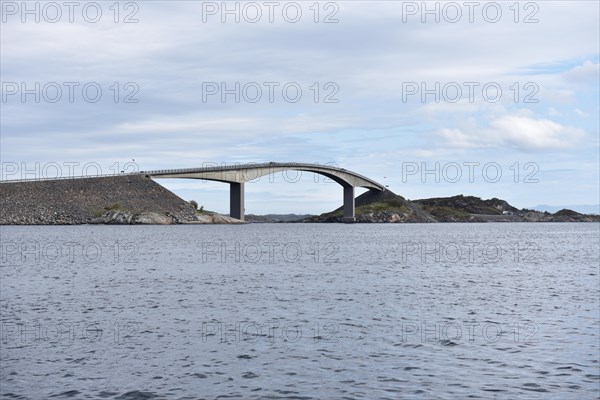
<point>238,175</point>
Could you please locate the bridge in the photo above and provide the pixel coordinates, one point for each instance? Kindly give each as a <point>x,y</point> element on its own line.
<point>238,175</point>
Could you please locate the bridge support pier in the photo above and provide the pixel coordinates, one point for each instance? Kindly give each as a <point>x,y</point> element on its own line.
<point>236,200</point>
<point>348,204</point>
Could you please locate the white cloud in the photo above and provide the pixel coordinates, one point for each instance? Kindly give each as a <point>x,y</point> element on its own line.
<point>516,131</point>
<point>588,72</point>
<point>553,113</point>
<point>457,138</point>
<point>535,134</point>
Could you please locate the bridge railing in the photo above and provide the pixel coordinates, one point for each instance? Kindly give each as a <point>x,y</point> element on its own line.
<point>56,178</point>
<point>174,171</point>
<point>240,166</point>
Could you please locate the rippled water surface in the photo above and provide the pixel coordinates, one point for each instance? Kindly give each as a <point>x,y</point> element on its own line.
<point>294,311</point>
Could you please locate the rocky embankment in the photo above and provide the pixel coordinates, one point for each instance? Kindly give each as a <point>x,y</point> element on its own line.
<point>375,206</point>
<point>127,199</point>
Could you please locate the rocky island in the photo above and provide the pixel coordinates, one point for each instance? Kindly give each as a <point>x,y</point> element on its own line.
<point>390,207</point>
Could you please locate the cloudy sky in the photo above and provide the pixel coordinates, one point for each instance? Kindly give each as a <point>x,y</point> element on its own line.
<point>492,100</point>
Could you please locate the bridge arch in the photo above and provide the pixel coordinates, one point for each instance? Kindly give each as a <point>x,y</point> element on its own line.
<point>238,175</point>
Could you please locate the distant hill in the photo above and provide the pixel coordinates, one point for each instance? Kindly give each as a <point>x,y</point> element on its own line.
<point>581,208</point>
<point>276,217</point>
<point>567,213</point>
